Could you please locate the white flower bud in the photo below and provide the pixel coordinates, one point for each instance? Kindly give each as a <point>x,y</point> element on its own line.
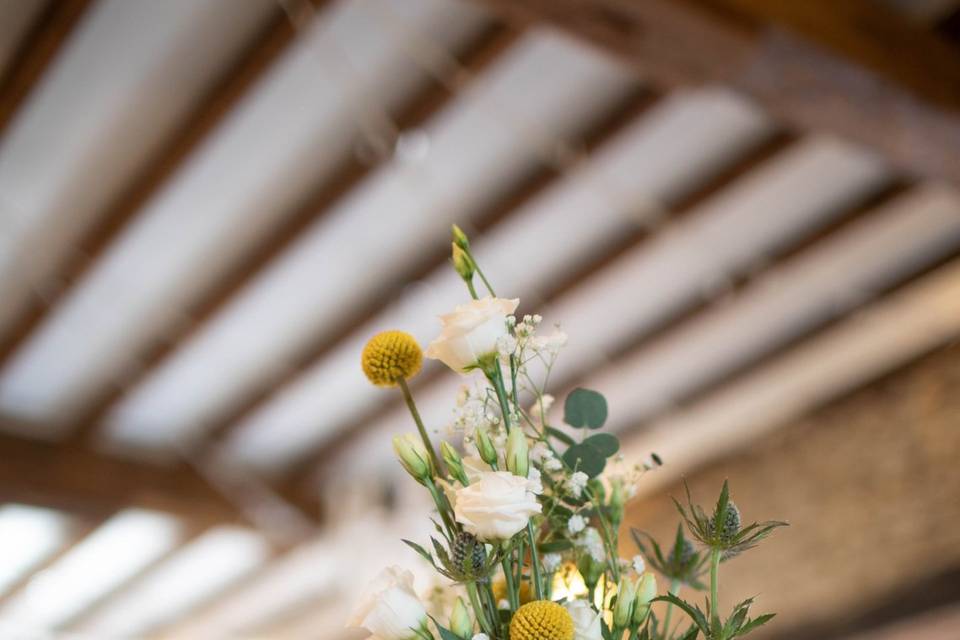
<point>413,456</point>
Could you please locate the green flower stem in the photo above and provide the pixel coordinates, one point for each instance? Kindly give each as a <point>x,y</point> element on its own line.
<point>674,588</point>
<point>496,379</point>
<point>479,610</point>
<point>416,418</point>
<point>512,595</point>
<point>473,291</point>
<point>715,584</point>
<point>534,561</point>
<point>483,278</point>
<point>443,507</point>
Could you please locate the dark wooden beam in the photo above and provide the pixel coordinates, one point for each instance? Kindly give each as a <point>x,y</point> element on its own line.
<point>38,49</point>
<point>252,64</point>
<point>93,485</point>
<point>431,99</point>
<point>834,72</point>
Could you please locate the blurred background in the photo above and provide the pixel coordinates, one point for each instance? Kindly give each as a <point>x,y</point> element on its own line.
<point>743,212</point>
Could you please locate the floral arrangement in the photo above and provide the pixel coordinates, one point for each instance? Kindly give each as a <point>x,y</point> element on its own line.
<point>527,520</point>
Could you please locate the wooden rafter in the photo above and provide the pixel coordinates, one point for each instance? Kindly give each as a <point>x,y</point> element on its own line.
<point>95,486</point>
<point>36,52</point>
<point>300,474</point>
<point>251,65</point>
<point>835,73</point>
<point>477,54</point>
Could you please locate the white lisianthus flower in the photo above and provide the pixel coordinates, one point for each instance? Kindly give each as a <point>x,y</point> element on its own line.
<point>390,610</point>
<point>586,621</point>
<point>471,332</point>
<point>496,505</point>
<point>576,524</point>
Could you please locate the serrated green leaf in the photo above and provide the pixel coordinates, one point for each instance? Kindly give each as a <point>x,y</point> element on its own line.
<point>584,408</point>
<point>606,443</point>
<point>691,634</point>
<point>696,615</point>
<point>423,552</point>
<point>445,634</point>
<point>585,458</point>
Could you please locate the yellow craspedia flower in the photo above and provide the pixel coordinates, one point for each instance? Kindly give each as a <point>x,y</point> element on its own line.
<point>390,356</point>
<point>541,620</point>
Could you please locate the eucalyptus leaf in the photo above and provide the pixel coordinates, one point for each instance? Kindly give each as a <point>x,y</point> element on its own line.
<point>605,443</point>
<point>585,458</point>
<point>584,408</point>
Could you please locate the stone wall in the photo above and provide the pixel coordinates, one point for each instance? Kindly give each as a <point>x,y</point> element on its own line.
<point>871,486</point>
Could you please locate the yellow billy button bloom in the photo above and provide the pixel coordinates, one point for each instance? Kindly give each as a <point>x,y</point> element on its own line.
<point>391,356</point>
<point>541,620</point>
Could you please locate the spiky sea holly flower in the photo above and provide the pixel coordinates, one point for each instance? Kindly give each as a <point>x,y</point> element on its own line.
<point>391,356</point>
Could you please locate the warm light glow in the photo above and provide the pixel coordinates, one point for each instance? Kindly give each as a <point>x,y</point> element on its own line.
<point>568,584</point>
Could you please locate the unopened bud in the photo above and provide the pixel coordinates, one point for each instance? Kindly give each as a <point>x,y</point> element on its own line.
<point>623,610</point>
<point>413,456</point>
<point>518,453</point>
<point>460,622</point>
<point>462,263</point>
<point>646,592</point>
<point>488,453</point>
<point>460,238</point>
<point>454,462</point>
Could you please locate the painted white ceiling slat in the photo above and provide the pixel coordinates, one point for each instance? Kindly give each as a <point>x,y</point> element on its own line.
<point>380,226</point>
<point>115,551</point>
<point>823,282</point>
<point>790,196</point>
<point>670,151</point>
<point>268,153</point>
<point>885,335</point>
<point>97,115</point>
<point>16,19</point>
<point>193,574</point>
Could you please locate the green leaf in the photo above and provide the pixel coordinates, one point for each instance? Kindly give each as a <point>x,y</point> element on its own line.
<point>560,435</point>
<point>691,634</point>
<point>585,408</point>
<point>445,634</point>
<point>585,458</point>
<point>753,624</point>
<point>423,552</point>
<point>691,610</point>
<point>720,514</point>
<point>605,443</point>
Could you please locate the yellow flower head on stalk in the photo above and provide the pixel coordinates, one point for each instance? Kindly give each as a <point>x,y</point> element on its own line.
<point>391,356</point>
<point>541,620</point>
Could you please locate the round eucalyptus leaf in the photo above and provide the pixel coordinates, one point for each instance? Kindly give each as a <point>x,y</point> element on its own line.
<point>585,409</point>
<point>605,443</point>
<point>583,457</point>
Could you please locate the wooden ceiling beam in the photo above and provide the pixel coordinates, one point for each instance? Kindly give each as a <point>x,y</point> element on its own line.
<point>93,485</point>
<point>844,68</point>
<point>37,51</point>
<point>252,64</point>
<point>299,480</point>
<point>431,99</point>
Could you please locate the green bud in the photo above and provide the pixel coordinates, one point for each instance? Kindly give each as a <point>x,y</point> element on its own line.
<point>460,622</point>
<point>488,453</point>
<point>623,610</point>
<point>413,456</point>
<point>454,462</point>
<point>462,263</point>
<point>460,238</point>
<point>518,453</point>
<point>646,592</point>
